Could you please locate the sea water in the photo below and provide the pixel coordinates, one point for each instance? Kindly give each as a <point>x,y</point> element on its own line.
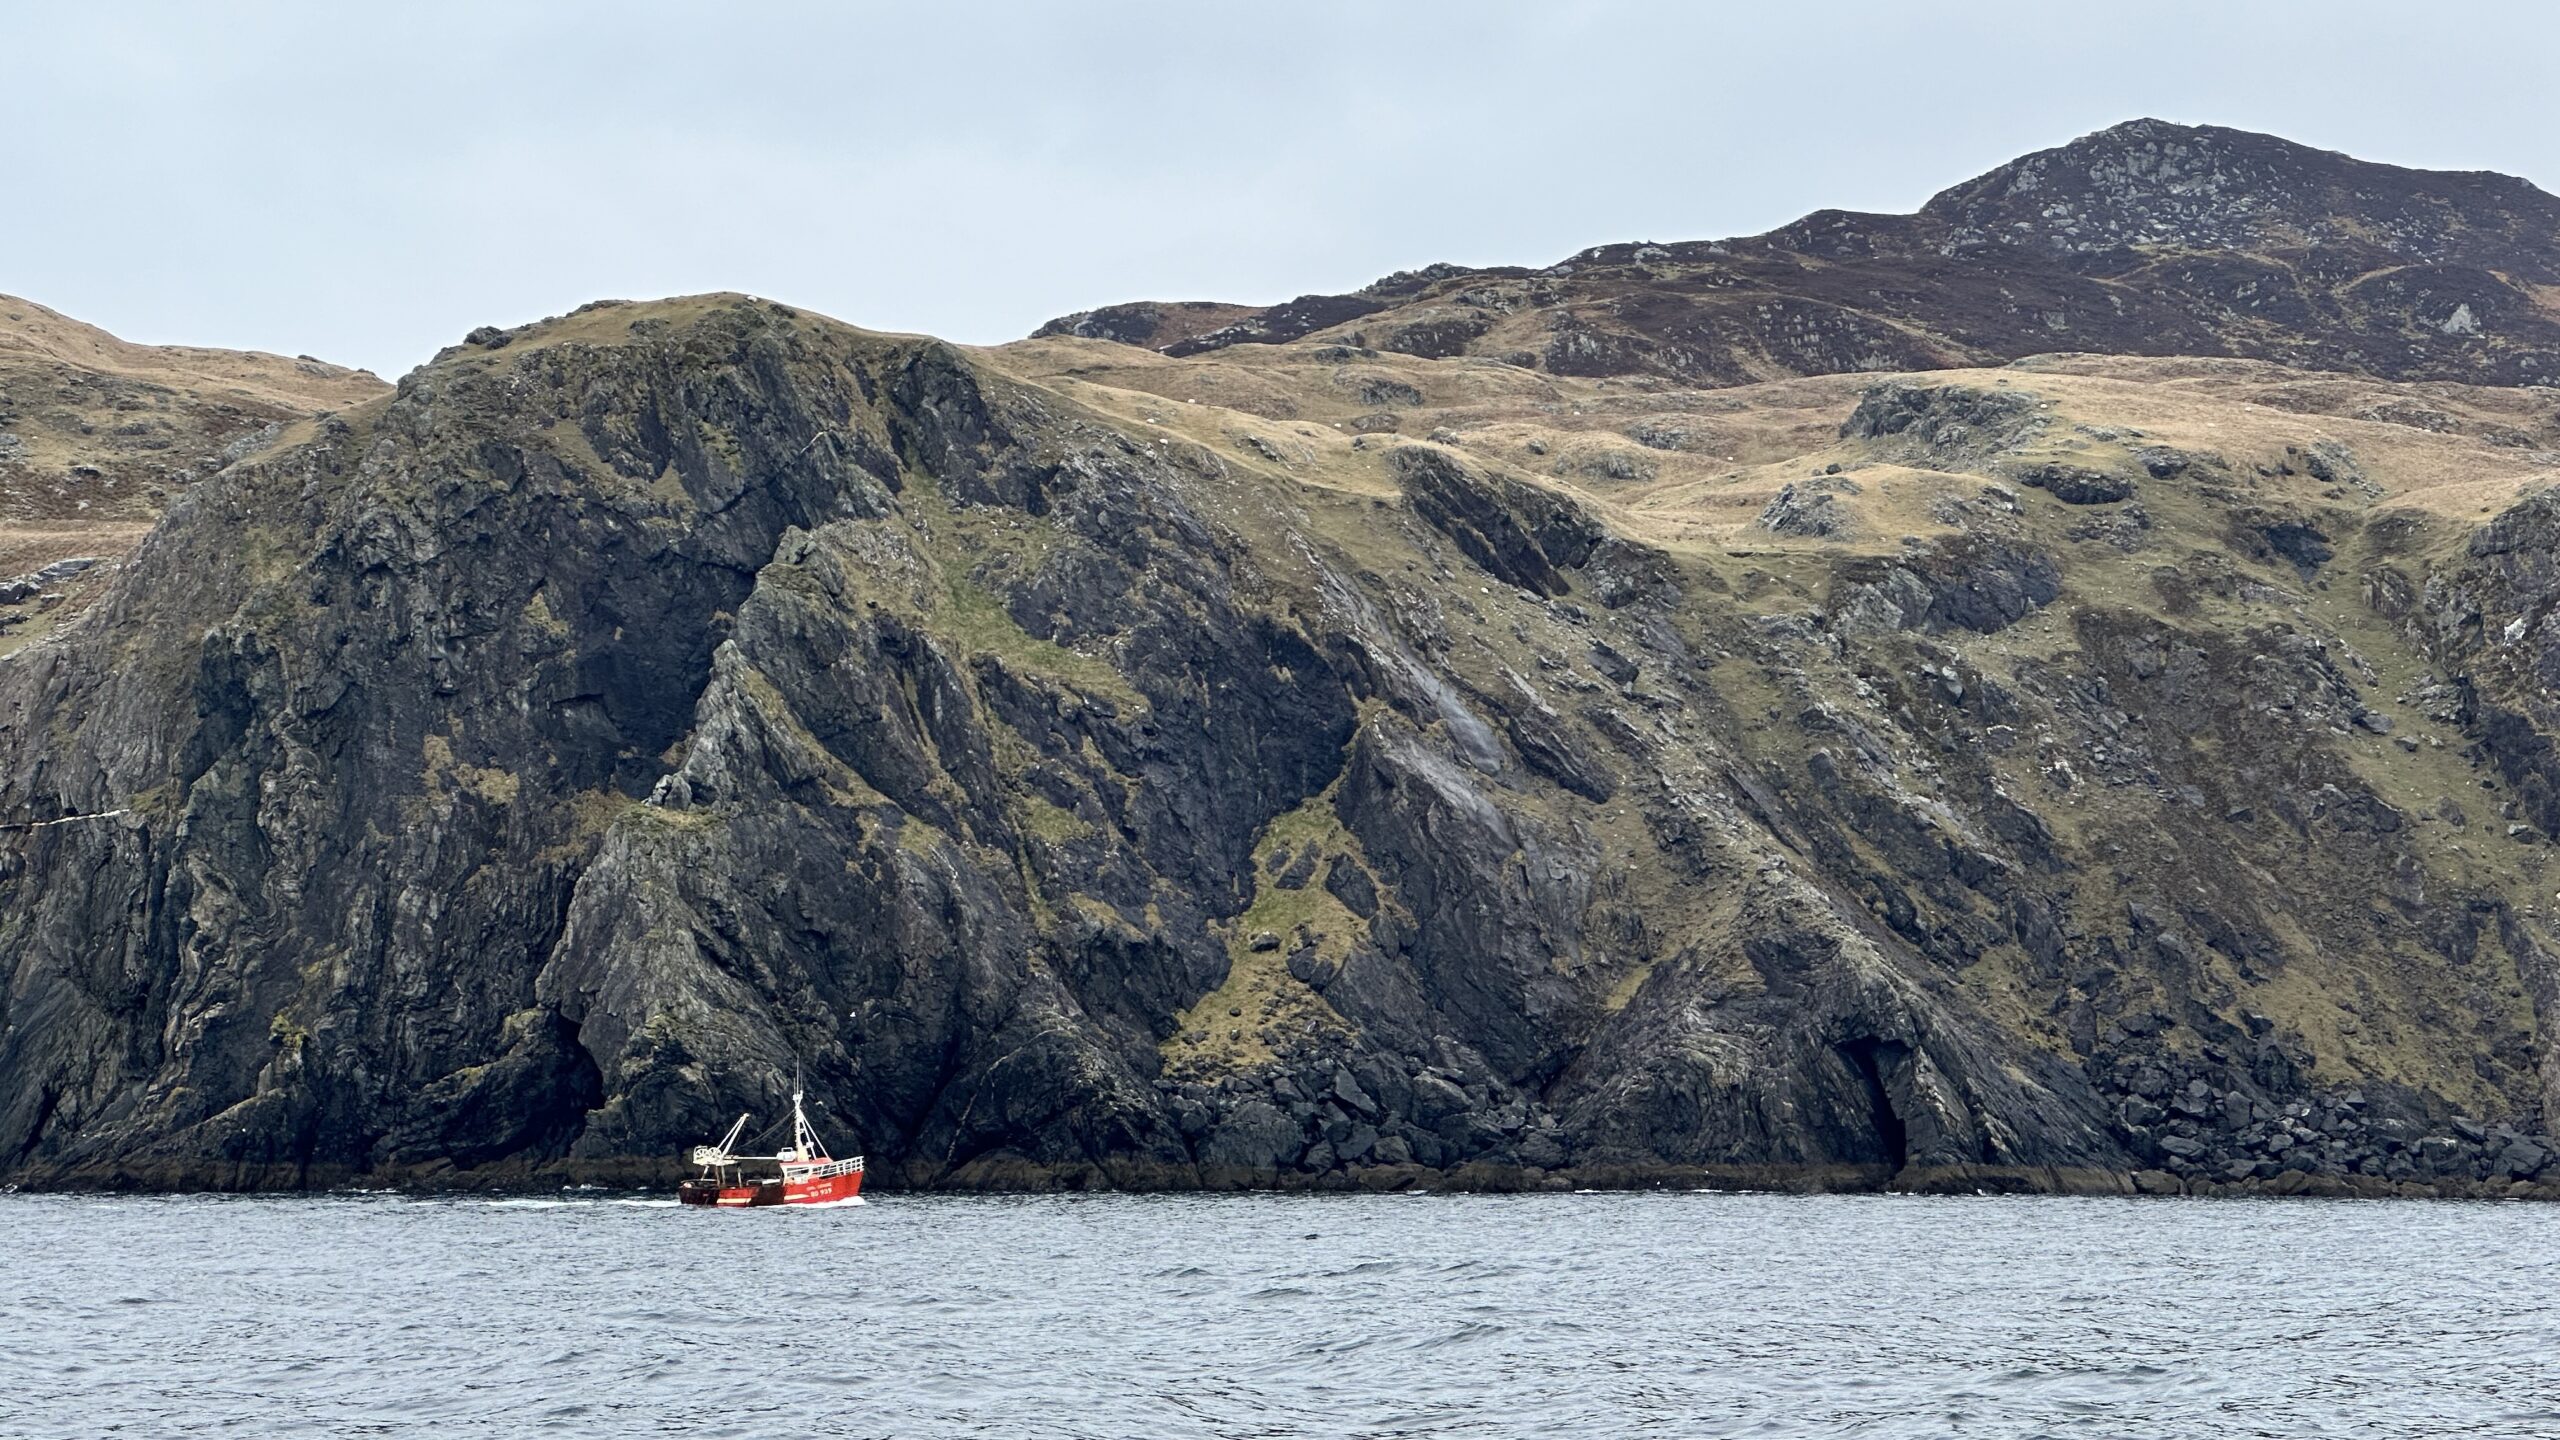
<point>1270,1315</point>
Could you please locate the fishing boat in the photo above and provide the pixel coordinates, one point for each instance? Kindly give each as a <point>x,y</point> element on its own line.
<point>809,1176</point>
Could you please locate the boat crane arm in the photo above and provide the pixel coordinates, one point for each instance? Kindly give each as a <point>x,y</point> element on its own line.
<point>719,1154</point>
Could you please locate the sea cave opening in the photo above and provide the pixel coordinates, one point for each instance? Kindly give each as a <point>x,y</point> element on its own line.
<point>1870,1057</point>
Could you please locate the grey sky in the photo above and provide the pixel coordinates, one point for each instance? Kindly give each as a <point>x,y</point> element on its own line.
<point>367,182</point>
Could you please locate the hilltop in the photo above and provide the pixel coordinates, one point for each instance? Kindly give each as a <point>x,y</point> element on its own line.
<point>2143,239</point>
<point>98,436</point>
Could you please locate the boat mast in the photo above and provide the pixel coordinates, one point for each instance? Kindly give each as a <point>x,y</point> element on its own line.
<point>803,1139</point>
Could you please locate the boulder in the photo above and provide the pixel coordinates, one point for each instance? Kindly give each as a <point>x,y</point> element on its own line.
<point>2522,1159</point>
<point>2075,484</point>
<point>1255,1136</point>
<point>1347,1093</point>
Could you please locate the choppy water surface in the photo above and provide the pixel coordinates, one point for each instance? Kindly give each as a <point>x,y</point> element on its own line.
<point>1551,1315</point>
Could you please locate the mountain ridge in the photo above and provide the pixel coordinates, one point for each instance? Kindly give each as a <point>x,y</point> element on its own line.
<point>2356,266</point>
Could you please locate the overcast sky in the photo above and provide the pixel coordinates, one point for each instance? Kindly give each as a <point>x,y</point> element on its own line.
<point>367,182</point>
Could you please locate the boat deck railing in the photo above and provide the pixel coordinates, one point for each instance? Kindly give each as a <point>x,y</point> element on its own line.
<point>825,1170</point>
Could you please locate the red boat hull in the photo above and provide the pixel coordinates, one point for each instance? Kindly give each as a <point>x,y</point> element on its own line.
<point>830,1190</point>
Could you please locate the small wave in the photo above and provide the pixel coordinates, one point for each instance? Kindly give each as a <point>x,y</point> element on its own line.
<point>1474,1330</point>
<point>1476,1267</point>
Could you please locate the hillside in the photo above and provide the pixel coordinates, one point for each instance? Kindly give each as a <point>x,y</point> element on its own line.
<point>97,436</point>
<point>1311,763</point>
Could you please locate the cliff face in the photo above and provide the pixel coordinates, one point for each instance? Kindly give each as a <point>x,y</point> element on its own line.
<point>1303,764</point>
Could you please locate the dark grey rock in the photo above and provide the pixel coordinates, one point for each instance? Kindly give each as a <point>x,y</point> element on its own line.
<point>1542,1149</point>
<point>2076,485</point>
<point>1435,1098</point>
<point>2522,1159</point>
<point>1351,885</point>
<point>1256,1136</point>
<point>1805,513</point>
<point>1346,1092</point>
<point>2440,1154</point>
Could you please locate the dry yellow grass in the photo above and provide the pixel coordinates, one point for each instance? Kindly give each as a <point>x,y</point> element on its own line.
<point>98,435</point>
<point>2445,450</point>
<point>32,331</point>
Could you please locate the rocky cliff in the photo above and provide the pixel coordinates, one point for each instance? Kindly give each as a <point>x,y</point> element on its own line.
<point>1312,764</point>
